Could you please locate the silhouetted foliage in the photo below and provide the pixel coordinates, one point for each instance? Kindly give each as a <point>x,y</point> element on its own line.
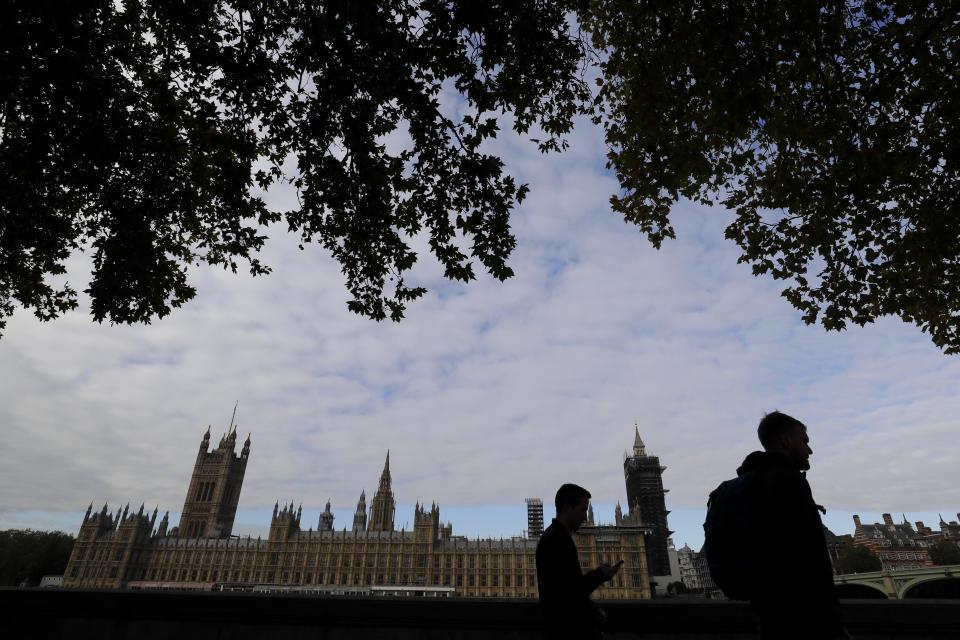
<point>944,552</point>
<point>857,558</point>
<point>830,130</point>
<point>27,555</point>
<point>677,588</point>
<point>144,130</point>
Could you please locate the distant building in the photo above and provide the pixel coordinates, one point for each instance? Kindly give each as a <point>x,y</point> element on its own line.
<point>643,476</point>
<point>710,589</point>
<point>535,518</point>
<point>835,544</point>
<point>134,550</point>
<point>695,574</point>
<point>950,530</point>
<point>898,545</point>
<point>51,581</point>
<point>688,570</point>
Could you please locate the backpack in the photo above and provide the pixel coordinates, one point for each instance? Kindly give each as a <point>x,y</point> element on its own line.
<point>730,536</point>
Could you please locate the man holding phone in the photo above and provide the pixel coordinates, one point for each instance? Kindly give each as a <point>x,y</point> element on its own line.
<point>565,590</point>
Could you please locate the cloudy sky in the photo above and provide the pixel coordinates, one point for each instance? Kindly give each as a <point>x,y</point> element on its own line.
<point>488,392</point>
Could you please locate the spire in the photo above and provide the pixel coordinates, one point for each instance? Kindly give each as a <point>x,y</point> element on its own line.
<point>638,447</point>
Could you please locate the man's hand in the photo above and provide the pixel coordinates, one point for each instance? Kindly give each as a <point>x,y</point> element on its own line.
<point>609,570</point>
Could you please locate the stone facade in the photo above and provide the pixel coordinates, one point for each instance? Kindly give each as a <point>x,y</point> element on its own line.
<point>898,545</point>
<point>695,574</point>
<point>133,550</point>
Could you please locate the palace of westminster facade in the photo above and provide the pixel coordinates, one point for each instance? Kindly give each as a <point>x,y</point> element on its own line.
<point>132,550</point>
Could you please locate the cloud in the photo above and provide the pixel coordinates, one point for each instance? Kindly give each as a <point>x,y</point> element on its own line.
<point>488,392</point>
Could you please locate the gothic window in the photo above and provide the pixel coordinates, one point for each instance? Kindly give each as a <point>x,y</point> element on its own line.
<point>421,561</point>
<point>470,580</point>
<point>460,562</point>
<point>496,561</point>
<point>483,580</point>
<point>495,581</point>
<point>473,562</point>
<point>506,580</point>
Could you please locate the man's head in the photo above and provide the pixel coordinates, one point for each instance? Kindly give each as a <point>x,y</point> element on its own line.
<point>572,502</point>
<point>780,433</point>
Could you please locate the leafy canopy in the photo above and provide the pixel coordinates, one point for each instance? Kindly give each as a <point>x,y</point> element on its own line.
<point>857,558</point>
<point>944,552</point>
<point>144,130</point>
<point>829,130</point>
<point>27,556</point>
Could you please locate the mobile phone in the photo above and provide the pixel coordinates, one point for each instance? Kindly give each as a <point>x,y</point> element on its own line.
<point>619,562</point>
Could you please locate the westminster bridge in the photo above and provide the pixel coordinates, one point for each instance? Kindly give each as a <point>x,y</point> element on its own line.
<point>902,583</point>
<point>140,615</point>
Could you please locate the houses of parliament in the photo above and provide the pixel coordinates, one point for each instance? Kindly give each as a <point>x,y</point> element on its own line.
<point>131,549</point>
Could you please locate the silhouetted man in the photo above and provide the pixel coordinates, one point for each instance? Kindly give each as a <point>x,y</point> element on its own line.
<point>795,597</point>
<point>564,589</point>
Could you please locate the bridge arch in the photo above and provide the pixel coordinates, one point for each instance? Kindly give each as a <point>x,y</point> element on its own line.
<point>932,587</point>
<point>861,590</point>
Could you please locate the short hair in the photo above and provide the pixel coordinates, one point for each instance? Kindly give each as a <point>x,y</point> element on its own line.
<point>570,495</point>
<point>775,424</point>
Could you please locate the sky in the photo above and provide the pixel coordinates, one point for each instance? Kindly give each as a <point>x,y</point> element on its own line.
<point>486,393</point>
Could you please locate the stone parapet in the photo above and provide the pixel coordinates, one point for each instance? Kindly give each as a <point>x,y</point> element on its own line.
<point>127,615</point>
